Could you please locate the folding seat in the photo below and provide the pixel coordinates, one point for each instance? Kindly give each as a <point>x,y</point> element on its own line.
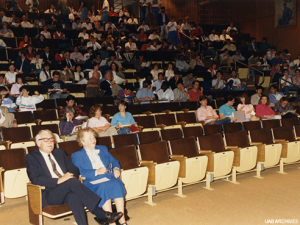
<point>47,104</point>
<point>50,116</point>
<point>189,106</point>
<point>105,100</point>
<point>297,131</point>
<point>152,108</point>
<point>189,118</point>
<point>16,135</point>
<point>220,159</point>
<point>61,102</point>
<point>106,141</point>
<point>290,145</point>
<point>148,137</point>
<point>52,127</point>
<point>88,101</point>
<point>193,164</point>
<point>41,90</point>
<point>109,110</point>
<point>69,147</point>
<point>147,122</point>
<point>134,109</point>
<point>12,54</point>
<point>10,41</point>
<point>133,175</point>
<point>272,151</point>
<point>212,129</point>
<point>245,155</point>
<point>12,162</point>
<point>252,125</point>
<point>171,106</point>
<point>168,121</point>
<point>24,118</point>
<point>195,132</point>
<point>124,140</point>
<point>232,127</point>
<point>163,173</point>
<point>290,122</point>
<point>171,134</point>
<point>270,123</point>
<point>220,102</point>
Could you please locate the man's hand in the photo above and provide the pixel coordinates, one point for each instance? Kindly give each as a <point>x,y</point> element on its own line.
<point>233,118</point>
<point>117,172</point>
<point>101,170</point>
<point>65,177</point>
<point>36,93</point>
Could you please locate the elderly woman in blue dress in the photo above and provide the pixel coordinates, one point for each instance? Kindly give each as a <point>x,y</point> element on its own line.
<point>101,171</point>
<point>123,118</point>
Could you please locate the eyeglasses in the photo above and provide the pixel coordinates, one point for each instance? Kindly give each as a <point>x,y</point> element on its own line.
<point>47,140</point>
<point>109,168</point>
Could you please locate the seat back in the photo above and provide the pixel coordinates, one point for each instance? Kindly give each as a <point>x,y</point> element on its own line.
<point>145,121</point>
<point>186,117</point>
<point>127,156</point>
<point>110,109</point>
<point>61,102</point>
<point>166,119</point>
<point>172,106</point>
<point>47,104</point>
<point>157,152</point>
<point>124,140</point>
<point>12,159</point>
<point>290,122</point>
<point>183,146</point>
<point>49,115</point>
<point>271,123</point>
<point>286,133</point>
<point>297,130</point>
<point>70,147</point>
<point>261,135</point>
<point>16,134</point>
<point>31,149</point>
<point>189,105</point>
<point>238,138</point>
<point>23,117</point>
<point>154,108</point>
<point>212,142</point>
<point>87,101</point>
<point>106,141</point>
<point>196,131</point>
<point>52,127</point>
<point>148,137</point>
<point>252,125</point>
<point>232,127</point>
<point>171,134</point>
<point>212,129</point>
<point>134,109</point>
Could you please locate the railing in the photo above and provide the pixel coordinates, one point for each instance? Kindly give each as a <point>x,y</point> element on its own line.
<point>250,67</point>
<point>295,85</point>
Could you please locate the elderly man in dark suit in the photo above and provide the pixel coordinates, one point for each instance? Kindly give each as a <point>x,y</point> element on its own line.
<point>50,167</point>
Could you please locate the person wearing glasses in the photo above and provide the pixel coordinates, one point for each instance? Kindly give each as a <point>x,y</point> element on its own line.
<point>96,164</point>
<point>50,167</point>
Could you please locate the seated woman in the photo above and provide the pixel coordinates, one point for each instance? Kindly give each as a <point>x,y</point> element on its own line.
<point>15,89</point>
<point>263,109</point>
<point>284,108</point>
<point>26,102</point>
<point>99,124</point>
<point>95,162</point>
<point>246,106</point>
<point>67,124</point>
<point>45,74</point>
<point>207,114</point>
<point>124,118</point>
<point>6,101</point>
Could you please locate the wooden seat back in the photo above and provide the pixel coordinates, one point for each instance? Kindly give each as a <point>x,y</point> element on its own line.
<point>286,133</point>
<point>16,134</point>
<point>186,117</point>
<point>212,129</point>
<point>156,152</point>
<point>212,142</point>
<point>124,140</point>
<point>238,138</point>
<point>184,146</point>
<point>171,134</point>
<point>271,123</point>
<point>290,122</point>
<point>148,137</point>
<point>166,119</point>
<point>232,127</point>
<point>106,141</point>
<point>127,156</point>
<point>196,131</point>
<point>252,125</point>
<point>261,135</point>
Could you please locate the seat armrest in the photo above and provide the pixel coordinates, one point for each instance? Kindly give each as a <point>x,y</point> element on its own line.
<point>1,180</point>
<point>279,140</point>
<point>230,147</point>
<point>6,144</point>
<point>182,161</point>
<point>140,128</point>
<point>106,116</point>
<point>38,121</point>
<point>151,166</point>
<point>147,112</point>
<point>185,110</point>
<point>182,123</point>
<point>35,198</point>
<point>161,126</point>
<point>297,138</point>
<point>211,161</point>
<point>167,111</point>
<point>256,143</point>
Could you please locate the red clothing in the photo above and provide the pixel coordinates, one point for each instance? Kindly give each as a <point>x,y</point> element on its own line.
<point>58,36</point>
<point>30,55</point>
<point>196,32</point>
<point>264,110</point>
<point>23,44</point>
<point>59,58</point>
<point>194,96</point>
<point>142,36</point>
<point>110,13</point>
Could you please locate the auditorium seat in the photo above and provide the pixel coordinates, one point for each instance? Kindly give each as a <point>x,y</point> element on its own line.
<point>192,164</point>
<point>61,102</point>
<point>69,147</point>
<point>105,100</point>
<point>47,104</point>
<point>252,125</point>
<point>109,110</point>
<point>195,132</point>
<point>24,118</point>
<point>148,137</point>
<point>220,159</point>
<point>290,122</point>
<point>163,173</point>
<point>171,134</point>
<point>171,106</point>
<point>152,108</point>
<point>15,135</point>
<point>189,106</point>
<point>187,118</point>
<point>15,176</point>
<point>272,151</point>
<point>147,122</point>
<point>232,127</point>
<point>270,123</point>
<point>106,141</point>
<point>168,121</point>
<point>87,101</point>
<point>134,109</point>
<point>52,127</point>
<point>133,175</point>
<point>212,129</point>
<point>124,140</point>
<point>245,155</point>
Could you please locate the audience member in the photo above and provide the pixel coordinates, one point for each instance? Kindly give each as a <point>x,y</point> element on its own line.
<point>27,102</point>
<point>180,95</point>
<point>263,108</point>
<point>227,109</point>
<point>284,108</point>
<point>56,87</point>
<point>274,96</point>
<point>195,92</point>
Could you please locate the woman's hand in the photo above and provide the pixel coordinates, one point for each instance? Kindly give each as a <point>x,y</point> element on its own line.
<point>135,125</point>
<point>117,173</point>
<point>120,125</point>
<point>101,170</point>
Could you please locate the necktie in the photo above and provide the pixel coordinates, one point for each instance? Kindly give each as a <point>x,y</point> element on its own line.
<point>69,63</point>
<point>54,167</point>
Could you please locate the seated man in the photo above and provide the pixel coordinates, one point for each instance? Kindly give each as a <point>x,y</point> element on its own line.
<point>70,63</point>
<point>109,85</point>
<point>256,97</point>
<point>227,109</point>
<point>22,64</point>
<point>231,47</point>
<point>165,93</point>
<point>182,65</point>
<point>218,84</point>
<point>50,167</point>
<point>56,86</point>
<point>70,100</point>
<point>274,96</point>
<point>238,56</point>
<point>145,94</point>
<point>126,95</point>
<point>180,95</point>
<point>188,80</point>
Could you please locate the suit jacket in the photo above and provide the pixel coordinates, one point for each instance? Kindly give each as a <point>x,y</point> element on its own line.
<point>39,173</point>
<point>160,19</point>
<point>26,65</point>
<point>250,47</point>
<point>49,58</point>
<point>64,63</point>
<point>104,85</point>
<point>82,161</point>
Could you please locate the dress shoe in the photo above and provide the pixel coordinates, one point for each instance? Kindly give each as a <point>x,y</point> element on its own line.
<point>109,218</point>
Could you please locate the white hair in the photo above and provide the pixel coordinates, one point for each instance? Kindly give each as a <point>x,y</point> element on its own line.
<point>38,136</point>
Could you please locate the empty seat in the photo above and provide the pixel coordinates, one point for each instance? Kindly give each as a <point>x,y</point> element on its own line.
<point>171,134</point>
<point>52,127</point>
<point>163,173</point>
<point>50,115</point>
<point>147,122</point>
<point>133,175</point>
<point>23,117</point>
<point>186,117</point>
<point>105,100</point>
<point>153,108</point>
<point>109,110</point>
<point>245,155</point>
<point>212,129</point>
<point>171,106</point>
<point>15,176</point>
<point>290,122</point>
<point>232,127</point>
<point>87,101</point>
<point>297,131</point>
<point>189,105</point>
<point>106,141</point>
<point>69,147</point>
<point>124,140</point>
<point>134,109</point>
<point>15,135</point>
<point>252,125</point>
<point>61,102</point>
<point>168,121</point>
<point>196,131</point>
<point>270,123</point>
<point>148,137</point>
<point>47,104</point>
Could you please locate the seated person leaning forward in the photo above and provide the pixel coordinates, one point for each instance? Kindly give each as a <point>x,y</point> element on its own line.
<point>50,167</point>
<point>99,124</point>
<point>145,94</point>
<point>227,109</point>
<point>96,163</point>
<point>284,108</point>
<point>208,115</point>
<point>67,124</point>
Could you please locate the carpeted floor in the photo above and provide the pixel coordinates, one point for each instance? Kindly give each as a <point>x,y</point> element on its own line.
<point>253,201</point>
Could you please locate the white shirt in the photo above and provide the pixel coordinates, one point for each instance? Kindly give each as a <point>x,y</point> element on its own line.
<point>155,3</point>
<point>43,76</point>
<point>47,34</point>
<point>86,56</point>
<point>48,163</point>
<point>288,79</point>
<point>95,158</point>
<point>87,26</point>
<point>153,37</point>
<point>85,36</point>
<point>231,28</point>
<point>11,77</point>
<point>2,43</point>
<point>214,37</point>
<point>173,28</point>
<point>95,45</point>
<point>144,2</point>
<point>141,83</point>
<point>132,46</point>
<point>222,38</point>
<point>168,94</point>
<point>105,4</point>
<point>169,74</point>
<point>236,81</point>
<point>145,27</point>
<point>110,25</point>
<point>26,24</point>
<point>117,79</point>
<point>132,21</point>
